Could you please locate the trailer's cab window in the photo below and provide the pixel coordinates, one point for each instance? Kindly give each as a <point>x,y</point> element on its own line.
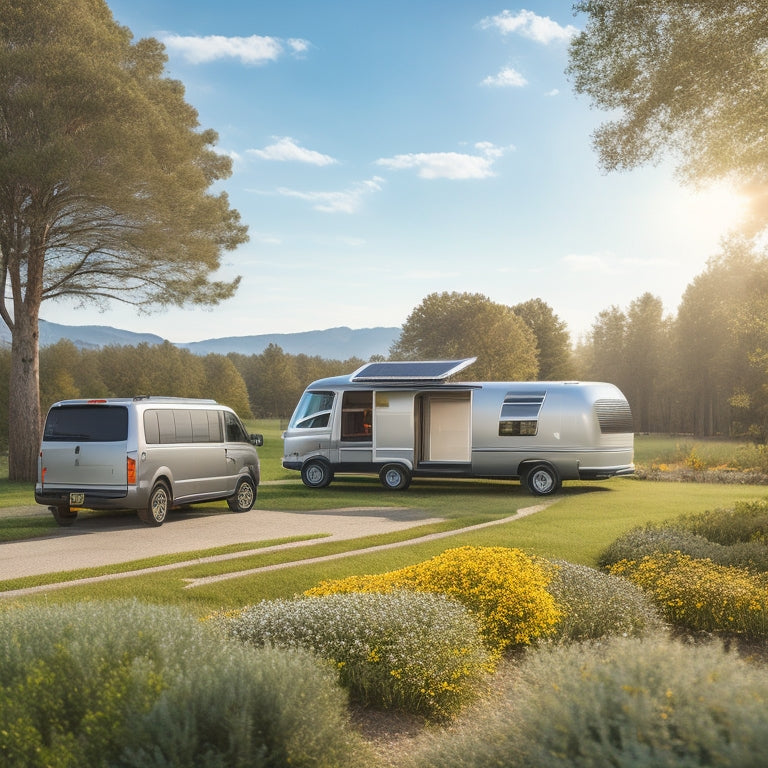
<point>357,416</point>
<point>313,411</point>
<point>520,414</point>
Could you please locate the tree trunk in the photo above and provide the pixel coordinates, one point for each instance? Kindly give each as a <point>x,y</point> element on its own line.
<point>24,422</point>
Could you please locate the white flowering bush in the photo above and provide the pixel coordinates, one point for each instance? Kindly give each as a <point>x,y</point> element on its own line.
<point>419,652</point>
<point>594,604</point>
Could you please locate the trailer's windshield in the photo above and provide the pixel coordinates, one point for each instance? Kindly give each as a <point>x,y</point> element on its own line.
<point>313,411</point>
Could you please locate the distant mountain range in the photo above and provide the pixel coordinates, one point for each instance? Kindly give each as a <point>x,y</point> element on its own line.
<point>331,344</point>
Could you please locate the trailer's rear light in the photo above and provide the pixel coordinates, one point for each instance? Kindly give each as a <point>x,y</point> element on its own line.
<point>130,465</point>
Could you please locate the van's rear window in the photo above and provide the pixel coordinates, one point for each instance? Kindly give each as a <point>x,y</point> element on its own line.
<point>87,424</point>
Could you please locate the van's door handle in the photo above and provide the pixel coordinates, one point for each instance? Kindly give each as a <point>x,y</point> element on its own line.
<point>228,457</point>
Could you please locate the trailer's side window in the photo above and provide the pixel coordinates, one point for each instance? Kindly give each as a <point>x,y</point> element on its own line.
<point>313,411</point>
<point>356,416</point>
<point>520,414</point>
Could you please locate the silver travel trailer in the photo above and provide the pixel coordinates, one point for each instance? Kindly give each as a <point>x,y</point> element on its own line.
<point>144,453</point>
<point>406,419</point>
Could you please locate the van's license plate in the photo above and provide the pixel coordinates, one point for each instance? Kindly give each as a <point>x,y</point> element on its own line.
<point>75,499</point>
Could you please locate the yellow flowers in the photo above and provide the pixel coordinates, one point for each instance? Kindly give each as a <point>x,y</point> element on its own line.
<point>503,587</point>
<point>701,595</point>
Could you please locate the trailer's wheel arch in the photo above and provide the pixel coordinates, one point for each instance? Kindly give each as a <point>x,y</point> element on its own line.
<point>395,477</point>
<point>316,473</point>
<point>541,478</point>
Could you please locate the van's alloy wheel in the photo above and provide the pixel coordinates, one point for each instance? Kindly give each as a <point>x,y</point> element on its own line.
<point>158,505</point>
<point>316,474</point>
<point>395,477</point>
<point>542,480</point>
<point>244,497</point>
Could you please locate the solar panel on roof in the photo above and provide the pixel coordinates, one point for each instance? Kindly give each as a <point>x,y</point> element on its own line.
<point>411,370</point>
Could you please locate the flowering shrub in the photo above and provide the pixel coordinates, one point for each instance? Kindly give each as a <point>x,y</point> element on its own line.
<point>651,540</point>
<point>623,702</point>
<point>595,604</point>
<point>504,588</point>
<point>419,652</point>
<point>126,684</point>
<point>746,521</point>
<point>701,595</point>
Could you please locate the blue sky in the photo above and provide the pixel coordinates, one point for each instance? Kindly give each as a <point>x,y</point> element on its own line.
<point>384,151</point>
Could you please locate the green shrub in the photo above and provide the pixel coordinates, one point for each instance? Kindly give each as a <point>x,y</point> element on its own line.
<point>503,587</point>
<point>700,595</point>
<point>650,540</point>
<point>126,684</point>
<point>746,521</point>
<point>419,652</point>
<point>625,703</point>
<point>596,604</point>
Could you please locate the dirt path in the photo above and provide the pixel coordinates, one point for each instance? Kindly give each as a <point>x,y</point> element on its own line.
<point>107,540</point>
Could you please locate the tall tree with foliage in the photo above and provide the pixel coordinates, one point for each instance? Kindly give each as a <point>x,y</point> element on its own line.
<point>448,326</point>
<point>104,184</point>
<point>552,339</point>
<point>686,79</point>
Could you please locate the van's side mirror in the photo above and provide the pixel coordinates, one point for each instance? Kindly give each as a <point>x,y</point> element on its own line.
<point>257,440</point>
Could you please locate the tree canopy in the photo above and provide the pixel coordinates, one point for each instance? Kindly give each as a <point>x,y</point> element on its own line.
<point>104,183</point>
<point>458,325</point>
<point>686,79</point>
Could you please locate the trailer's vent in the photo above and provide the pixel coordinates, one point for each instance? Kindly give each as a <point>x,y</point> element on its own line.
<point>614,416</point>
<point>520,414</point>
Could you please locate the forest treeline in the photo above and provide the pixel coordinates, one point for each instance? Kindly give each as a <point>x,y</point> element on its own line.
<point>703,371</point>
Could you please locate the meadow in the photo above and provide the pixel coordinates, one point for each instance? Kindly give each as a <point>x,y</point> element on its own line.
<point>464,639</point>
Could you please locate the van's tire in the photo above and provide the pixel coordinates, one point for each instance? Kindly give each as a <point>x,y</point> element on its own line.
<point>63,515</point>
<point>316,473</point>
<point>395,477</point>
<point>542,480</point>
<point>244,497</point>
<point>158,505</point>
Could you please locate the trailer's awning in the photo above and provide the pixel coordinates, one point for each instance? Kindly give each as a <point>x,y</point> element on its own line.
<point>411,370</point>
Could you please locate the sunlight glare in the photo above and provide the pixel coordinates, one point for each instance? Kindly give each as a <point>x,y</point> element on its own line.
<point>717,210</point>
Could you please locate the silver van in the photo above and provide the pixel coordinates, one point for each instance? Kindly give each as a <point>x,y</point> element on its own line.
<point>144,453</point>
<point>408,419</point>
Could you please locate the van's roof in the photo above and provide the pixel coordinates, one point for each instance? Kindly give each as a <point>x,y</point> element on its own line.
<point>160,400</point>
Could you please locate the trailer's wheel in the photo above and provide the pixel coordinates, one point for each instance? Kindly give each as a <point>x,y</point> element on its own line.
<point>63,515</point>
<point>395,477</point>
<point>542,479</point>
<point>244,497</point>
<point>157,508</point>
<point>316,474</point>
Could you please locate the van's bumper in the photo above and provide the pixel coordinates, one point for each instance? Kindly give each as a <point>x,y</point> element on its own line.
<point>94,498</point>
<point>291,464</point>
<point>603,473</point>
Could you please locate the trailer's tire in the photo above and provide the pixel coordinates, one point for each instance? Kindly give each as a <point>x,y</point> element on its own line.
<point>158,505</point>
<point>395,477</point>
<point>316,473</point>
<point>542,479</point>
<point>63,515</point>
<point>244,496</point>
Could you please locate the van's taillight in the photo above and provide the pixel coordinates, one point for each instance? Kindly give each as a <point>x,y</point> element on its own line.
<point>91,402</point>
<point>42,474</point>
<point>130,465</point>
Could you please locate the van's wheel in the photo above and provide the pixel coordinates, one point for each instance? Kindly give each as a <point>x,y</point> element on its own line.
<point>316,474</point>
<point>157,508</point>
<point>395,477</point>
<point>542,479</point>
<point>244,497</point>
<point>63,515</point>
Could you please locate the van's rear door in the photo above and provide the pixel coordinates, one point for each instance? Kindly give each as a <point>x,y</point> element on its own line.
<point>84,446</point>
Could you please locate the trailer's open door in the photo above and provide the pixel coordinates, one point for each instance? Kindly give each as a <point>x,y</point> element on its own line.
<point>447,427</point>
<point>393,426</point>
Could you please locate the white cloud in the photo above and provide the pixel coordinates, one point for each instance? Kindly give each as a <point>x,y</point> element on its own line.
<point>285,149</point>
<point>346,201</point>
<point>607,263</point>
<point>529,24</point>
<point>448,165</point>
<point>506,78</point>
<point>255,49</point>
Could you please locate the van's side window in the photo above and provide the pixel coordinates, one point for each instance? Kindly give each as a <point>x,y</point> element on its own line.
<point>520,414</point>
<point>313,411</point>
<point>181,425</point>
<point>235,431</point>
<point>356,416</point>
